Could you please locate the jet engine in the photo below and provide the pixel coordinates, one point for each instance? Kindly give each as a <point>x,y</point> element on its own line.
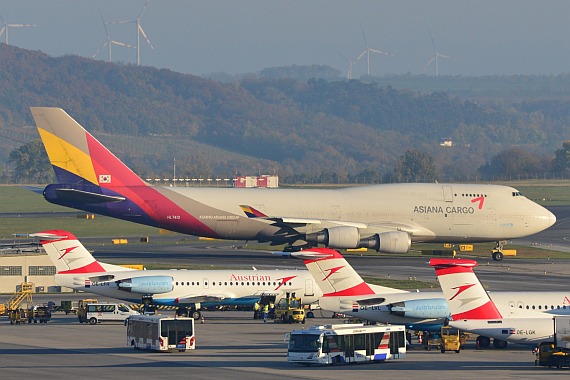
<point>147,285</point>
<point>424,309</point>
<point>336,237</point>
<point>388,242</point>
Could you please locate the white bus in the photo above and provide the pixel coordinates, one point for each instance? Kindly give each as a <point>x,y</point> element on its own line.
<point>160,333</point>
<point>350,343</point>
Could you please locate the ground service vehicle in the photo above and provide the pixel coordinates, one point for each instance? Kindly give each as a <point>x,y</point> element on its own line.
<point>18,316</point>
<point>69,306</point>
<point>104,312</point>
<point>39,313</point>
<point>449,339</point>
<point>160,333</point>
<point>350,343</point>
<point>557,353</point>
<point>82,309</point>
<point>290,310</point>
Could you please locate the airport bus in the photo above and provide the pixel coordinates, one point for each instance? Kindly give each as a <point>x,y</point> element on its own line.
<point>160,333</point>
<point>349,343</point>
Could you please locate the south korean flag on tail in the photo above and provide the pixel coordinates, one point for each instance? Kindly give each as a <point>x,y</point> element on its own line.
<point>105,178</point>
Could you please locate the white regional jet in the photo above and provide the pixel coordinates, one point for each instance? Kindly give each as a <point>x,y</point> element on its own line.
<point>344,291</point>
<point>472,310</point>
<point>386,218</point>
<point>76,268</point>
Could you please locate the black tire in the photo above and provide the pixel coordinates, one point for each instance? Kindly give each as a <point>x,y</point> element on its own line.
<point>303,321</point>
<point>182,312</point>
<point>483,341</point>
<point>457,351</point>
<point>93,321</point>
<point>291,321</point>
<point>283,318</point>
<point>498,256</point>
<point>442,349</point>
<point>195,314</point>
<point>310,314</point>
<point>500,344</point>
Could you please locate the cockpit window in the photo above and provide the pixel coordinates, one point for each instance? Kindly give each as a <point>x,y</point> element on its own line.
<point>517,194</point>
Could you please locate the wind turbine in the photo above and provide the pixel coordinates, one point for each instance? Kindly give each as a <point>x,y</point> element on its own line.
<point>109,42</point>
<point>368,50</point>
<point>436,56</point>
<point>139,31</point>
<point>7,26</point>
<point>350,64</point>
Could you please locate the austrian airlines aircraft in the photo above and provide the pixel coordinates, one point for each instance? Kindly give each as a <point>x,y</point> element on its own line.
<point>472,310</point>
<point>386,218</point>
<point>344,291</point>
<point>77,269</point>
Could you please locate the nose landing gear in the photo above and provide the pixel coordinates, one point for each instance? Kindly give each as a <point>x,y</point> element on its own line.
<point>498,251</point>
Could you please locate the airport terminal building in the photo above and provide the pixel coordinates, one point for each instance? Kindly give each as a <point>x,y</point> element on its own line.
<point>35,267</point>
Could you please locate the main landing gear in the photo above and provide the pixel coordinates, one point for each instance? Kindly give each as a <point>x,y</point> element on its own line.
<point>184,312</point>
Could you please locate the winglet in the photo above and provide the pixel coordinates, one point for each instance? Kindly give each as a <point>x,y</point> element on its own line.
<point>251,212</point>
<point>466,297</point>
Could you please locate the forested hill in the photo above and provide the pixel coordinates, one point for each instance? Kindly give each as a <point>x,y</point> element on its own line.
<point>289,126</point>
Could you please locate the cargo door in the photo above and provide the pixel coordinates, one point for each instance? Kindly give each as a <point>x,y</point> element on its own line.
<point>447,193</point>
<point>309,288</point>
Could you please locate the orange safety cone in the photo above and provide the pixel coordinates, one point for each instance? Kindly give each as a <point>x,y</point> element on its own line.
<point>202,319</point>
<point>478,345</point>
<point>421,341</point>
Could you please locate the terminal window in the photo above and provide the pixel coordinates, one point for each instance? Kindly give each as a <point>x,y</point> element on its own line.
<point>10,270</point>
<point>41,270</point>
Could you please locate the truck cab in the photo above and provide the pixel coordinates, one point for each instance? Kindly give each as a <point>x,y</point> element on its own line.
<point>290,310</point>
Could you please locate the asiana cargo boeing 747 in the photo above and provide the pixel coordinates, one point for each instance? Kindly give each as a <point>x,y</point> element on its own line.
<point>386,218</point>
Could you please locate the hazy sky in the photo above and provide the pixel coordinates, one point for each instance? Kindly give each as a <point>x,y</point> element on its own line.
<point>197,37</point>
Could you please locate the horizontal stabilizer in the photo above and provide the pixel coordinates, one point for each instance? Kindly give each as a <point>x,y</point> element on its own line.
<point>35,189</point>
<point>85,196</point>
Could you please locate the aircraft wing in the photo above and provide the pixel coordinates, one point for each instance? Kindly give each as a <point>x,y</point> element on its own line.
<point>201,298</point>
<point>255,214</point>
<point>301,222</point>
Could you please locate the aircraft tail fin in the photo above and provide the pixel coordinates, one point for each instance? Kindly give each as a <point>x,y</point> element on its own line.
<point>76,156</point>
<point>68,255</point>
<point>466,297</point>
<point>332,273</point>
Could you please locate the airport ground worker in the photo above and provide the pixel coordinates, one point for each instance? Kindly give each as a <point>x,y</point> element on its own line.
<point>265,311</point>
<point>256,308</point>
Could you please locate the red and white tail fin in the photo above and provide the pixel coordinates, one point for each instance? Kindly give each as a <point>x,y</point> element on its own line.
<point>68,254</point>
<point>334,275</point>
<point>466,297</point>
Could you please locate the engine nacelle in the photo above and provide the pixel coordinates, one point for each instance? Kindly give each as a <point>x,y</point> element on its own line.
<point>388,242</point>
<point>336,237</point>
<point>423,309</point>
<point>147,285</point>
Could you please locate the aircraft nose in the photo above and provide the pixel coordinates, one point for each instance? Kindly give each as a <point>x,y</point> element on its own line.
<point>552,219</point>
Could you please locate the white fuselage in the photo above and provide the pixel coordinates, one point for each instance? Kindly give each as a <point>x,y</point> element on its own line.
<point>429,212</point>
<point>205,287</point>
<point>529,331</point>
<point>430,308</point>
